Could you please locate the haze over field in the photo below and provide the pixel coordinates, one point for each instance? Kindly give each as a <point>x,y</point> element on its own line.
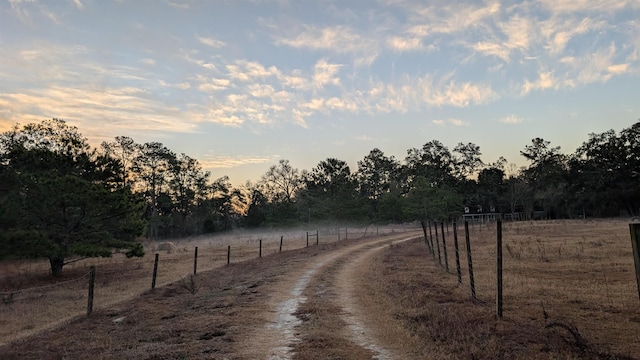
<point>239,85</point>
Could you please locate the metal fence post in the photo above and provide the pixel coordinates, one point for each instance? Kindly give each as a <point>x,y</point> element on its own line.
<point>155,272</point>
<point>499,270</point>
<point>195,261</point>
<point>92,281</point>
<point>635,243</point>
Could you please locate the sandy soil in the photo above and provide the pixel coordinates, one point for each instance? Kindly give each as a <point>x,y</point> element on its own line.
<point>278,337</point>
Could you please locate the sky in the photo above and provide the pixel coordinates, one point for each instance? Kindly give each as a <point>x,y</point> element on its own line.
<point>240,84</point>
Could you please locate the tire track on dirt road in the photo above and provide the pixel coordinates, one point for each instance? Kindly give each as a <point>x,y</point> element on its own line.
<point>333,271</point>
<point>362,331</point>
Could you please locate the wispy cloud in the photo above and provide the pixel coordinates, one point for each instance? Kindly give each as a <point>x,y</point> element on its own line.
<point>404,43</point>
<point>572,6</point>
<point>124,109</point>
<point>128,102</point>
<point>231,161</point>
<point>209,41</point>
<point>147,61</point>
<point>546,80</point>
<point>212,84</point>
<point>598,66</point>
<point>364,138</point>
<point>511,119</point>
<point>179,5</point>
<point>461,94</point>
<point>340,39</point>
<point>326,73</point>
<point>492,49</point>
<point>78,4</point>
<point>454,122</point>
<point>399,56</point>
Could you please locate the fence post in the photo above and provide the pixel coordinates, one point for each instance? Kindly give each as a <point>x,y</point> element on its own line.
<point>469,261</point>
<point>438,244</point>
<point>155,272</point>
<point>444,248</point>
<point>433,251</point>
<point>92,281</point>
<point>195,261</point>
<point>635,243</point>
<point>228,254</point>
<point>424,231</point>
<point>455,244</point>
<point>346,233</point>
<point>499,270</point>
<point>307,239</point>
<point>281,243</point>
<point>260,254</point>
<point>339,233</point>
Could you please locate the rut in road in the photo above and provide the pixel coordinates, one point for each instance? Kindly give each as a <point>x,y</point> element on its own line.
<point>283,331</point>
<point>360,330</point>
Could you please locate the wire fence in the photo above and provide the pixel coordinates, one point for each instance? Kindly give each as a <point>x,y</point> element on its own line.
<point>34,301</point>
<point>573,272</point>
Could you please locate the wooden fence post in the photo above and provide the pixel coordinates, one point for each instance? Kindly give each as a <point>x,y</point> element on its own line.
<point>155,272</point>
<point>433,251</point>
<point>346,233</point>
<point>228,254</point>
<point>438,244</point>
<point>92,282</point>
<point>195,261</point>
<point>455,244</point>
<point>635,244</point>
<point>281,243</point>
<point>424,231</point>
<point>444,248</point>
<point>499,270</point>
<point>307,239</point>
<point>260,254</point>
<point>469,261</point>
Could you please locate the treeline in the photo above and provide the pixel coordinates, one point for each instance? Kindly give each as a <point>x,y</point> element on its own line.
<point>600,179</point>
<point>62,199</point>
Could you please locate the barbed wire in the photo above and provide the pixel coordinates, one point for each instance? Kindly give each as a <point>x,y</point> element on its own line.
<point>4,293</point>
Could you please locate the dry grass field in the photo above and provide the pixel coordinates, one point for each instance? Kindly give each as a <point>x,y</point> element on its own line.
<point>578,273</point>
<point>569,293</point>
<point>33,300</point>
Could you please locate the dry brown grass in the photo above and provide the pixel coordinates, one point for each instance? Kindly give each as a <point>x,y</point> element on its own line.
<point>569,292</point>
<point>33,301</point>
<point>172,322</point>
<point>580,274</point>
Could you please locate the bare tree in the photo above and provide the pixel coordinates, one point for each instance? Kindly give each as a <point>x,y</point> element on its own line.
<point>282,182</point>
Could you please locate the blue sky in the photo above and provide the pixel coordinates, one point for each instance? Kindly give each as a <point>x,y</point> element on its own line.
<point>240,85</point>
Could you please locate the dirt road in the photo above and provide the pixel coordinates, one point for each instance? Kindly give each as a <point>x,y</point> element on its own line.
<point>334,276</point>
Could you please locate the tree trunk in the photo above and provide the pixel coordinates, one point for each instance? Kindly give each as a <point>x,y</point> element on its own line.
<point>56,266</point>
